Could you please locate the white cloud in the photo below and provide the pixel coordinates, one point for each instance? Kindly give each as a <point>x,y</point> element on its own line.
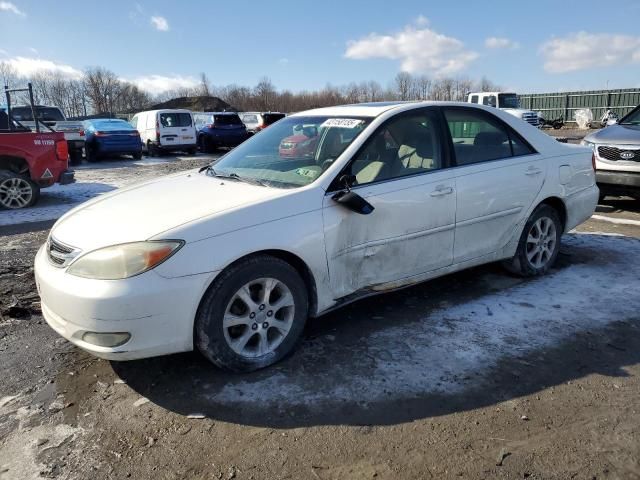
<point>422,21</point>
<point>27,67</point>
<point>156,84</point>
<point>10,7</point>
<point>160,23</point>
<point>582,50</point>
<point>420,50</point>
<point>501,42</point>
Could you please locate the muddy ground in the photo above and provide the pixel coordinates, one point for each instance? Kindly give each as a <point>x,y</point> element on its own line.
<point>474,375</point>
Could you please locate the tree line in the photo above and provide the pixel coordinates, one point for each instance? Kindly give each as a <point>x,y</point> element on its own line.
<point>100,91</point>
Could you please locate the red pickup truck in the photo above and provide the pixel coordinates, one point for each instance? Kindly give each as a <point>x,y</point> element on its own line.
<point>29,161</point>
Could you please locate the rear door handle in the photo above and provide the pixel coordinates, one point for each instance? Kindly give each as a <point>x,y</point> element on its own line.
<point>441,191</point>
<point>533,171</point>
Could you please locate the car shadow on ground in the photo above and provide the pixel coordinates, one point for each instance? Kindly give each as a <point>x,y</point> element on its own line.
<point>412,354</point>
<point>618,205</point>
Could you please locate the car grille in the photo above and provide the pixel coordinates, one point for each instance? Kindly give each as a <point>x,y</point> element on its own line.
<point>615,153</point>
<point>60,255</point>
<point>531,118</point>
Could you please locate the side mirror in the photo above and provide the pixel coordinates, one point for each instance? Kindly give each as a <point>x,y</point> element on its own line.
<point>353,202</point>
<point>350,199</point>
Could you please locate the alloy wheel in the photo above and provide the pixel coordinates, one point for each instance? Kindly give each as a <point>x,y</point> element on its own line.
<point>541,242</point>
<point>258,317</point>
<point>15,192</point>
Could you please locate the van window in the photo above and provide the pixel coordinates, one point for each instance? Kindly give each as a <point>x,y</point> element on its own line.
<point>474,99</point>
<point>134,122</point>
<point>175,119</point>
<point>489,100</point>
<point>250,118</point>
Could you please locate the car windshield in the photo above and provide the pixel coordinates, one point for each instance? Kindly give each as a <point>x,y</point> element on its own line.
<point>508,100</point>
<point>175,119</point>
<point>293,152</point>
<point>46,114</point>
<point>632,119</point>
<point>221,120</point>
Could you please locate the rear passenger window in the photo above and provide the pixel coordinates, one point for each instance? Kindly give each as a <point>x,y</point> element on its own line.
<point>474,99</point>
<point>479,137</point>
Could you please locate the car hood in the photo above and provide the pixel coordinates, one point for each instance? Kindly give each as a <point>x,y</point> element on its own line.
<point>147,210</point>
<point>517,111</point>
<point>616,134</point>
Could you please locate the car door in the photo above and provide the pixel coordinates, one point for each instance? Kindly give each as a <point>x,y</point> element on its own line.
<point>402,171</point>
<point>176,128</point>
<point>498,176</point>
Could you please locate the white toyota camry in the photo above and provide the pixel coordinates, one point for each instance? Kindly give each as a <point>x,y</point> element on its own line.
<point>320,209</point>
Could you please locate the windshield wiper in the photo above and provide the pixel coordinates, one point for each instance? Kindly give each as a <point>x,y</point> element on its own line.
<point>231,176</point>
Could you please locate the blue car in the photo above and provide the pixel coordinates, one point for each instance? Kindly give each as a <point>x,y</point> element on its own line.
<point>111,137</point>
<point>218,130</point>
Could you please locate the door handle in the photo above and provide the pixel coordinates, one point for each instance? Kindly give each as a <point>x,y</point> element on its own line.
<point>533,171</point>
<point>441,191</point>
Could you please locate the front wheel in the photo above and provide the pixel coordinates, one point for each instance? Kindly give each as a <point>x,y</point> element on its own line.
<point>253,315</point>
<point>539,244</point>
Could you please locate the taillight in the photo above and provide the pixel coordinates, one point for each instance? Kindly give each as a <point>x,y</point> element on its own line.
<point>157,132</point>
<point>209,125</point>
<point>62,151</point>
<point>135,134</point>
<point>81,133</point>
<point>100,134</point>
<point>593,160</point>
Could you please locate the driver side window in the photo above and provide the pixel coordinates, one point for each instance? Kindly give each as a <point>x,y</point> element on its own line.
<point>408,144</point>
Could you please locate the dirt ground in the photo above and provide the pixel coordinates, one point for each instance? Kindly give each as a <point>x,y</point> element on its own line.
<point>474,375</point>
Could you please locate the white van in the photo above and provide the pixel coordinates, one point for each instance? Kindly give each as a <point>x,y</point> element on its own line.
<point>166,130</point>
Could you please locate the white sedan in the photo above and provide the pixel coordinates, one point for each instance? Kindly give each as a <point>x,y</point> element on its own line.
<point>322,208</point>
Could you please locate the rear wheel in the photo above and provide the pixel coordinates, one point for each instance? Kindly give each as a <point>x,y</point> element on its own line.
<point>204,144</point>
<point>137,155</point>
<point>17,191</point>
<point>539,243</point>
<point>192,151</point>
<point>152,151</point>
<point>75,157</point>
<point>253,315</point>
<point>90,152</point>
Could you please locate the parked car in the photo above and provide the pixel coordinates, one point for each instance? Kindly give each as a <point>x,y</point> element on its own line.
<point>53,118</point>
<point>506,101</point>
<point>29,160</point>
<point>234,257</point>
<point>256,121</point>
<point>166,131</point>
<point>111,137</point>
<point>617,154</point>
<point>219,129</point>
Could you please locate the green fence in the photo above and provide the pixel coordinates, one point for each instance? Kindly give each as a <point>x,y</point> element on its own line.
<point>564,104</point>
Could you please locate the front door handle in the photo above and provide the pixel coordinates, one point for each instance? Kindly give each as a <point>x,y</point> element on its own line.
<point>533,171</point>
<point>441,191</point>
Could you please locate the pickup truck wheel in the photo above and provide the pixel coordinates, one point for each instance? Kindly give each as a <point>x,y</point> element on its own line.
<point>539,244</point>
<point>17,191</point>
<point>91,154</point>
<point>253,314</point>
<point>75,157</point>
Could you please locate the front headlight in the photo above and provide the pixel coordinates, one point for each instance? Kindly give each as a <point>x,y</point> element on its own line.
<point>589,144</point>
<point>124,261</point>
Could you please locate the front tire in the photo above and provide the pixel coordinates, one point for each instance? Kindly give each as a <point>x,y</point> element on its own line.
<point>539,244</point>
<point>253,315</point>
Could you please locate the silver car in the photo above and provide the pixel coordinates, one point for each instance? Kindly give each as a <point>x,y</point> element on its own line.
<point>617,154</point>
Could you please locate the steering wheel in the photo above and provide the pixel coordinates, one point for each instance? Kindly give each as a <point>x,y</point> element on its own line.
<point>327,163</point>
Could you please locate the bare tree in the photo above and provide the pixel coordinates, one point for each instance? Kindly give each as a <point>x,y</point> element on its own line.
<point>265,93</point>
<point>403,83</point>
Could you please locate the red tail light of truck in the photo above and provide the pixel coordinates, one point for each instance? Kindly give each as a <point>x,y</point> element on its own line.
<point>62,151</point>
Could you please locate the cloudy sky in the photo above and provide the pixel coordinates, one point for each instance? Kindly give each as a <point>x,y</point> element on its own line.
<point>533,46</point>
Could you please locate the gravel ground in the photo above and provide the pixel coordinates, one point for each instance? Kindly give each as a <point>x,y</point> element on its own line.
<point>474,375</point>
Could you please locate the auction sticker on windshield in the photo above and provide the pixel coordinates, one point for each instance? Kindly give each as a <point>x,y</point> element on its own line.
<point>342,123</point>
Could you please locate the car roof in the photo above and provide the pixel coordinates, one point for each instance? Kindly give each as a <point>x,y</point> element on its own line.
<point>374,109</point>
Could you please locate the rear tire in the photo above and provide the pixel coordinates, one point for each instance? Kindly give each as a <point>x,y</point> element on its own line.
<point>253,315</point>
<point>17,191</point>
<point>539,244</point>
<point>91,153</point>
<point>204,143</point>
<point>137,156</point>
<point>192,151</point>
<point>75,157</point>
<point>152,151</point>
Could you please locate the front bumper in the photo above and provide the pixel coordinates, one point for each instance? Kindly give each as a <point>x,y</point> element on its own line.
<point>618,180</point>
<point>157,312</point>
